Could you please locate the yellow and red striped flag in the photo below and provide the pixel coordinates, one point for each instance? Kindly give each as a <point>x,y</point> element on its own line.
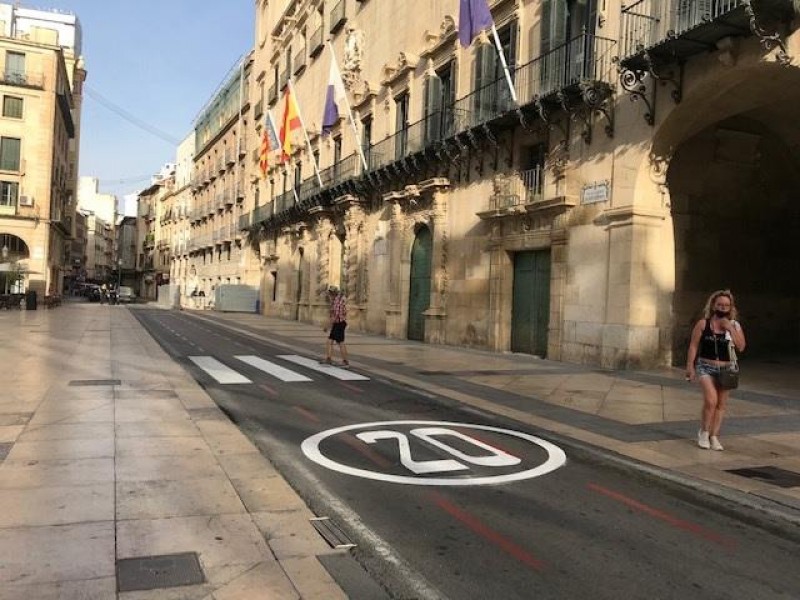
<point>291,122</point>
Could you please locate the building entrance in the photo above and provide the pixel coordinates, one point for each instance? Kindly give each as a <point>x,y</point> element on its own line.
<point>530,313</point>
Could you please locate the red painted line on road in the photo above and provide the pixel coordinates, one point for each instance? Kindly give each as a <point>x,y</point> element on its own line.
<point>307,414</point>
<point>486,532</point>
<point>351,387</point>
<point>357,444</point>
<point>269,390</point>
<point>693,528</point>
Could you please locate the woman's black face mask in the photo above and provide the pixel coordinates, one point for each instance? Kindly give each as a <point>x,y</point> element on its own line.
<point>721,314</point>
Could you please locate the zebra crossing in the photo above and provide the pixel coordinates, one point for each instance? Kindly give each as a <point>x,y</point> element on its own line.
<point>226,374</point>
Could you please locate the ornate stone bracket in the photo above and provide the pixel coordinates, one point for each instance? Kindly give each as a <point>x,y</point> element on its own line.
<point>769,40</point>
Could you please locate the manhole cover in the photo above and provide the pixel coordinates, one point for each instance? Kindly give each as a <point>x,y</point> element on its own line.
<point>773,475</point>
<point>155,572</point>
<point>86,382</point>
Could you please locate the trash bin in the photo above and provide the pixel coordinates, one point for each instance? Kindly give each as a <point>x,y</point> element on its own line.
<point>30,300</point>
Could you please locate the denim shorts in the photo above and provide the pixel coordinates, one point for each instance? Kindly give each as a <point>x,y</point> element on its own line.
<point>704,368</point>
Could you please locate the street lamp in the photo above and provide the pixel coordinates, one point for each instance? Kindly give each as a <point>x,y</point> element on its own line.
<point>119,274</point>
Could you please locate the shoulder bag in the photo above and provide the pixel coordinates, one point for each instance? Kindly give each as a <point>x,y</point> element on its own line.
<point>728,378</point>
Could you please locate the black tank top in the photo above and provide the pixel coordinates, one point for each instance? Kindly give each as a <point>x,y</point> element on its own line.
<point>713,346</point>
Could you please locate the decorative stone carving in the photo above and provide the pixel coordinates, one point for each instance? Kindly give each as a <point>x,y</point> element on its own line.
<point>353,56</point>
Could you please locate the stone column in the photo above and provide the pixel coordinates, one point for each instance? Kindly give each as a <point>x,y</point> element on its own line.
<point>436,315</point>
<point>323,228</point>
<point>394,311</point>
<point>354,219</point>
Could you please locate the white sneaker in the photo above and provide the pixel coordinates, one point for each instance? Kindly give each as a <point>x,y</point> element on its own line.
<point>702,440</point>
<point>715,445</point>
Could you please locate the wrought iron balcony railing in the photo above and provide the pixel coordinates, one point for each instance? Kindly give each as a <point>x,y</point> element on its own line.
<point>681,28</point>
<point>585,59</point>
<point>22,79</point>
<point>299,61</point>
<point>524,187</point>
<point>338,17</point>
<point>316,42</point>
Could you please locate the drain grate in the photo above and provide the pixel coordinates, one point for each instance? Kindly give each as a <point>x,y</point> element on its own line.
<point>87,382</point>
<point>156,572</point>
<point>774,475</point>
<point>332,534</point>
<point>4,450</point>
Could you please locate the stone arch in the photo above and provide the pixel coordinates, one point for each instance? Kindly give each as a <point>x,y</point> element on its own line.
<point>18,248</point>
<point>722,166</point>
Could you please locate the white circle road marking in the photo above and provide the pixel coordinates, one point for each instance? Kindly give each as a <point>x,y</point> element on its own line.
<point>555,456</point>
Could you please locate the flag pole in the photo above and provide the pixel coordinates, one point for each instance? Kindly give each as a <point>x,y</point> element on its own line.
<point>502,56</point>
<point>349,111</point>
<point>305,133</point>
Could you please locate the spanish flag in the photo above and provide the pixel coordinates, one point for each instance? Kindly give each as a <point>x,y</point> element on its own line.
<point>291,121</point>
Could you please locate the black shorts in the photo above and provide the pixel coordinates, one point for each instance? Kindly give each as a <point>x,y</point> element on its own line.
<point>337,332</point>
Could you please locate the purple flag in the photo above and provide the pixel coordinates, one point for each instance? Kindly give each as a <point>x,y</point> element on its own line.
<point>334,98</point>
<point>473,18</point>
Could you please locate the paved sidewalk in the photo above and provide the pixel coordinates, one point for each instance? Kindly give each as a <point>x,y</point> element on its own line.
<point>648,420</point>
<point>112,451</point>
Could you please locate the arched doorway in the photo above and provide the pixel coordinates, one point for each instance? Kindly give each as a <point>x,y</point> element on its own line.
<point>13,273</point>
<point>419,297</point>
<point>732,190</point>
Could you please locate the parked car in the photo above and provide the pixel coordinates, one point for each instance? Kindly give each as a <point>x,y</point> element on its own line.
<point>125,294</point>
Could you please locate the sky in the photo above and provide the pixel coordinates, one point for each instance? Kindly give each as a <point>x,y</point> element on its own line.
<point>160,61</point>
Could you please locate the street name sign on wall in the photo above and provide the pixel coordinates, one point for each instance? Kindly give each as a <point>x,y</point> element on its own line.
<point>595,192</point>
<point>435,453</point>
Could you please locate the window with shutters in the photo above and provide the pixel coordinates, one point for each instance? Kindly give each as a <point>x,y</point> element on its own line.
<point>15,67</point>
<point>298,176</point>
<point>337,157</point>
<point>9,192</point>
<point>492,96</point>
<point>10,154</point>
<point>439,100</point>
<point>12,107</point>
<point>366,137</point>
<point>401,125</point>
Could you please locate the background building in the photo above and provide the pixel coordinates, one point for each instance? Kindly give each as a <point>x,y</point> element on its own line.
<point>41,88</point>
<point>100,211</point>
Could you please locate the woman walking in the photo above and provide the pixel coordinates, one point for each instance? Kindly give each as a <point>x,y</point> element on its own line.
<point>709,354</point>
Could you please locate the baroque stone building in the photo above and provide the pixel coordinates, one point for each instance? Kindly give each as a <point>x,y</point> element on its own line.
<point>647,160</point>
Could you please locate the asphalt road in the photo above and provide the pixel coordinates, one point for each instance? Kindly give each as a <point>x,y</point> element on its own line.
<point>510,516</point>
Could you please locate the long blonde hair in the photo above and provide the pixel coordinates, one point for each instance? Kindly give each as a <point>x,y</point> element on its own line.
<point>708,309</point>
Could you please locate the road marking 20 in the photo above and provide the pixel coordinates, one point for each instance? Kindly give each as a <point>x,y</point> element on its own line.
<point>497,458</point>
<point>432,432</point>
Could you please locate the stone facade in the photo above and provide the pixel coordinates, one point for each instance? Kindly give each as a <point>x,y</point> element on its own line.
<point>587,222</point>
<point>41,88</point>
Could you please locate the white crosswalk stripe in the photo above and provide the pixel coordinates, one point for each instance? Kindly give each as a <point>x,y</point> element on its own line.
<point>341,374</point>
<point>222,373</point>
<point>272,369</point>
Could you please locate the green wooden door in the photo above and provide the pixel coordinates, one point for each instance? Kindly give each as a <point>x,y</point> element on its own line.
<point>420,294</point>
<point>530,313</point>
